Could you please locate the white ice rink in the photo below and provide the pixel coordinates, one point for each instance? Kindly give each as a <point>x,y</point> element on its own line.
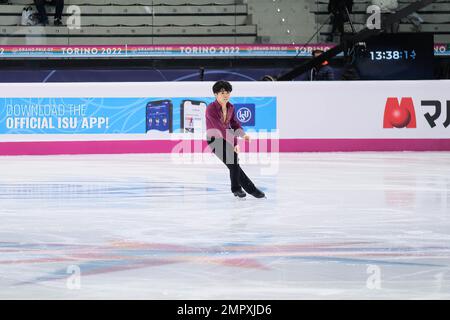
<point>333,226</point>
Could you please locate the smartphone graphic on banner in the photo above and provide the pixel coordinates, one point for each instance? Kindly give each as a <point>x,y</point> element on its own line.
<point>192,116</point>
<point>159,116</point>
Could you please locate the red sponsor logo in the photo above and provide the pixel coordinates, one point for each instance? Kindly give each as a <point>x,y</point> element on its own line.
<point>399,114</point>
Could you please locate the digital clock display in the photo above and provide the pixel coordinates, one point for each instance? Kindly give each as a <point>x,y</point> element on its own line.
<point>393,55</point>
<point>400,56</point>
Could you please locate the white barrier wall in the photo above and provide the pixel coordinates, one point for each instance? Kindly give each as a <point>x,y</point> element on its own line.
<point>300,116</point>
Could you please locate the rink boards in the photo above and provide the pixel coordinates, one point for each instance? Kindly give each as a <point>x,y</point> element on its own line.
<point>166,117</point>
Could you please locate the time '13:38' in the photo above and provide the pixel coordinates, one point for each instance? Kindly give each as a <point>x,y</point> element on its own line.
<point>393,55</point>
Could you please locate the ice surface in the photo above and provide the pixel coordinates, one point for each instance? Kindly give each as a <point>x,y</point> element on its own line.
<point>333,226</point>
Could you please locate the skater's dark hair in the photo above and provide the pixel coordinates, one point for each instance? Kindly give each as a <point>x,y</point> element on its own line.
<point>222,85</point>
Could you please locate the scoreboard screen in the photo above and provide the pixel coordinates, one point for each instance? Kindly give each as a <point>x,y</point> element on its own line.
<point>407,56</point>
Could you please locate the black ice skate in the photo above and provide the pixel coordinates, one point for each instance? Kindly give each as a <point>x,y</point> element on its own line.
<point>258,194</point>
<point>240,194</point>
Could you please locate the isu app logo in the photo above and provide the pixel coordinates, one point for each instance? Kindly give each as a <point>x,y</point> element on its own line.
<point>399,114</point>
<point>245,113</point>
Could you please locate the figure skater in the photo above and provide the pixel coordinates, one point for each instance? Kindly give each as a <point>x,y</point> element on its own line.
<point>223,128</point>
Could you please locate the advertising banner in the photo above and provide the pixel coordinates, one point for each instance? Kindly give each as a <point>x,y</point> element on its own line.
<point>58,118</point>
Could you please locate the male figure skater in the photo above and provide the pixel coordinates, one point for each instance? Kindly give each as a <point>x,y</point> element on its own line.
<point>222,131</point>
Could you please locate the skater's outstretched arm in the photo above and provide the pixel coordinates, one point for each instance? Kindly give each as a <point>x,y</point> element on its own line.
<point>237,127</point>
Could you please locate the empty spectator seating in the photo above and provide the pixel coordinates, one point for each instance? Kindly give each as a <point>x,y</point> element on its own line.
<point>135,22</point>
